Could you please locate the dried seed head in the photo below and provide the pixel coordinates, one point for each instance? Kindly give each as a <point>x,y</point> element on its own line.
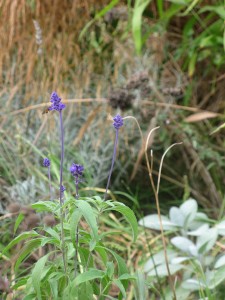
<point>13,207</point>
<point>32,221</point>
<point>49,220</point>
<point>121,98</point>
<point>26,210</point>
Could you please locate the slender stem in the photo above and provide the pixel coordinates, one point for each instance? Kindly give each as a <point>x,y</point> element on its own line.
<point>62,156</point>
<point>113,160</point>
<point>77,233</point>
<point>61,194</point>
<point>50,185</point>
<point>153,261</point>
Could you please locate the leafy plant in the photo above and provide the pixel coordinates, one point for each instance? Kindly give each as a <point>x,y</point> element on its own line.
<point>75,262</point>
<point>192,254</point>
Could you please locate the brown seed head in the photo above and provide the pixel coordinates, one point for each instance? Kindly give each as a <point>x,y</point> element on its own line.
<point>26,210</point>
<point>13,207</point>
<point>49,220</point>
<point>32,221</point>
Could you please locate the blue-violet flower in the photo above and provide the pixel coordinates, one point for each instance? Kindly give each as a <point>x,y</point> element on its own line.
<point>62,189</point>
<point>46,162</point>
<point>76,170</point>
<point>56,102</point>
<point>118,122</point>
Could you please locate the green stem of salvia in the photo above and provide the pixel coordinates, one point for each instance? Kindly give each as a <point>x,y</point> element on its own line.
<point>60,193</point>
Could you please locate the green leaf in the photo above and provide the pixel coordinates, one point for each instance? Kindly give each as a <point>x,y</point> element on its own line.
<point>19,238</point>
<point>220,262</point>
<point>106,9</point>
<point>27,250</point>
<point>121,287</point>
<point>159,259</point>
<point>54,287</point>
<point>101,251</point>
<point>162,270</point>
<point>193,284</point>
<point>20,282</point>
<point>53,233</point>
<point>19,219</point>
<point>50,240</point>
<point>190,7</point>
<point>46,206</point>
<point>176,216</point>
<point>129,217</point>
<point>37,273</point>
<point>100,14</point>
<point>219,10</point>
<point>140,6</point>
<point>89,215</point>
<point>89,275</point>
<point>189,209</point>
<point>127,277</point>
<point>200,230</point>
<point>218,276</point>
<point>110,269</point>
<point>206,241</point>
<point>152,222</point>
<point>30,297</point>
<point>183,244</point>
<point>122,267</point>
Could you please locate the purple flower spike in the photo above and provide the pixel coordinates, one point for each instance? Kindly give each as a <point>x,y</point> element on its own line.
<point>56,102</point>
<point>76,170</point>
<point>46,162</point>
<point>62,189</point>
<point>118,122</point>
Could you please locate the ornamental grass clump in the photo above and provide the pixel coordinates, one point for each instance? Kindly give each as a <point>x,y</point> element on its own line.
<point>74,260</point>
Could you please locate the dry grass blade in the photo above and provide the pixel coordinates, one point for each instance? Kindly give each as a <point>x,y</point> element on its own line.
<point>201,116</point>
<point>155,190</point>
<point>100,190</point>
<point>161,164</point>
<point>67,101</point>
<point>142,150</point>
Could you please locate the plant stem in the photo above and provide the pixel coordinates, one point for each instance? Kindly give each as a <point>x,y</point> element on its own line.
<point>77,233</point>
<point>62,157</point>
<point>113,160</point>
<point>49,180</point>
<point>154,264</point>
<point>60,193</point>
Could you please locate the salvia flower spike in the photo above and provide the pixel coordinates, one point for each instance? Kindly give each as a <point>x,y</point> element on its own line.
<point>77,172</point>
<point>59,106</point>
<point>47,164</point>
<point>117,124</point>
<point>56,102</point>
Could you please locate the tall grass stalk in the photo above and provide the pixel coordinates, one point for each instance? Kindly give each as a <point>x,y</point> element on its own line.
<point>149,248</point>
<point>155,190</point>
